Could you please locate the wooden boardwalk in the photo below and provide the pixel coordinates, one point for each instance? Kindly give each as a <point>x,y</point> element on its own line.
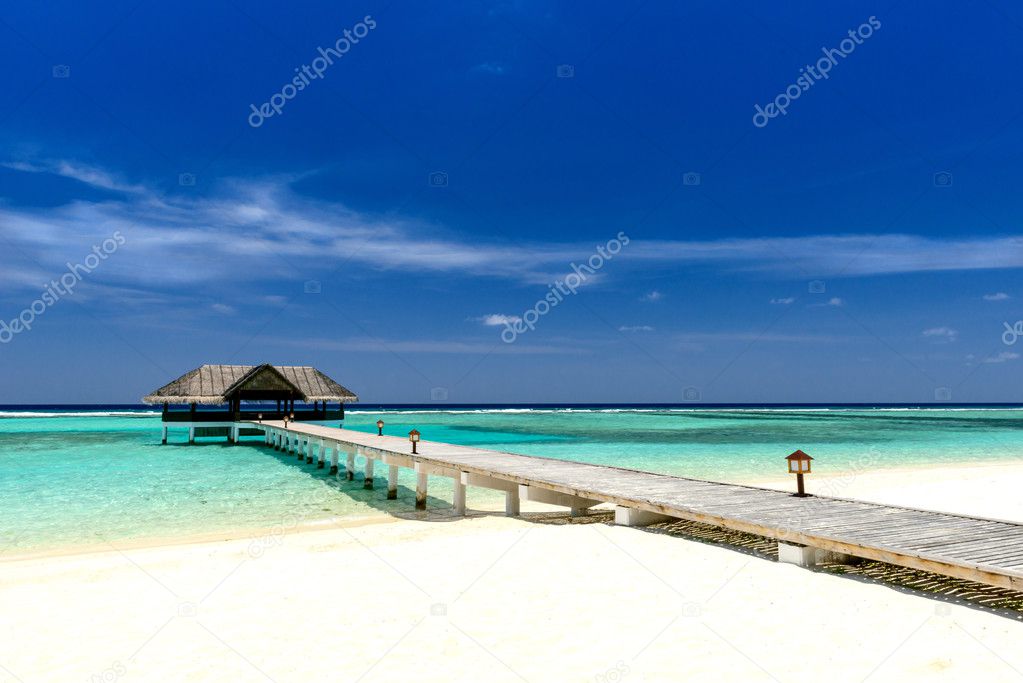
<point>984,550</point>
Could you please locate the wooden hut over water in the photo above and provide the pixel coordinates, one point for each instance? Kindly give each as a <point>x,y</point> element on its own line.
<point>268,390</point>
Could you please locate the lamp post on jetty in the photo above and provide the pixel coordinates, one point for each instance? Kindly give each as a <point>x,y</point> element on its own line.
<point>380,427</point>
<point>413,436</point>
<point>799,464</point>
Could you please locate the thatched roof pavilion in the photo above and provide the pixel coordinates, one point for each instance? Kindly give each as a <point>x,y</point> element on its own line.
<point>220,384</point>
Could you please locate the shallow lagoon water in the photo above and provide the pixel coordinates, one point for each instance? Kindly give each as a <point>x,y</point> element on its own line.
<point>84,478</point>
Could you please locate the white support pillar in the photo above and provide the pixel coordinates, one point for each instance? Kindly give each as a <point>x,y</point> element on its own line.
<point>511,503</point>
<point>350,466</point>
<point>322,454</point>
<point>510,488</point>
<point>794,553</point>
<point>421,480</point>
<point>191,434</point>
<point>392,482</point>
<point>576,504</point>
<point>459,498</point>
<point>333,459</point>
<point>163,439</point>
<point>235,433</point>
<point>367,483</point>
<point>310,449</point>
<point>626,516</point>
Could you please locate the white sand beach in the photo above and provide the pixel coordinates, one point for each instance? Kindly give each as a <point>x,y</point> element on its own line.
<point>489,598</point>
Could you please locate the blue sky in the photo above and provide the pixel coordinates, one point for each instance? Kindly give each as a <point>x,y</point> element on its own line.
<point>456,161</point>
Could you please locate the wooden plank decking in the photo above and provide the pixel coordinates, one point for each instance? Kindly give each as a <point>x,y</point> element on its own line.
<point>978,549</point>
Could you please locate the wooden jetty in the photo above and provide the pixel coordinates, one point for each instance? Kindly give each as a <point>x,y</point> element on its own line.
<point>807,529</point>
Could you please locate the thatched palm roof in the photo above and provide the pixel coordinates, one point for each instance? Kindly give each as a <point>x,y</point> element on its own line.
<point>214,384</point>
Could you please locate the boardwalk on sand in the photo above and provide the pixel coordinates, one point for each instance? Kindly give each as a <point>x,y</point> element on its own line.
<point>977,549</point>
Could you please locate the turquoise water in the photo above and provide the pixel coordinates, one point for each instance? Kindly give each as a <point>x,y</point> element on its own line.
<point>79,478</point>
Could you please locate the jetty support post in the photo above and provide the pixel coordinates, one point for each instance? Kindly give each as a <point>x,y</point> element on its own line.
<point>511,502</point>
<point>576,504</point>
<point>367,482</point>
<point>626,516</point>
<point>797,554</point>
<point>191,434</point>
<point>459,497</point>
<point>421,480</point>
<point>333,458</point>
<point>234,433</point>
<point>322,454</point>
<point>310,449</point>
<point>163,439</point>
<point>392,482</point>
<point>350,465</point>
<point>510,488</point>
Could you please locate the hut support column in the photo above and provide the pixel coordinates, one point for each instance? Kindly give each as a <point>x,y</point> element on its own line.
<point>233,438</point>
<point>191,434</point>
<point>350,466</point>
<point>459,500</point>
<point>392,482</point>
<point>421,478</point>
<point>163,439</point>
<point>333,459</point>
<point>319,463</point>
<point>367,483</point>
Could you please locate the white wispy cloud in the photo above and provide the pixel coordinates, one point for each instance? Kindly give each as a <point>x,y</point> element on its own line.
<point>997,296</point>
<point>496,319</point>
<point>224,309</point>
<point>493,68</point>
<point>784,302</point>
<point>89,175</point>
<point>246,230</point>
<point>755,336</point>
<point>941,334</point>
<point>1002,357</point>
<point>635,328</point>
